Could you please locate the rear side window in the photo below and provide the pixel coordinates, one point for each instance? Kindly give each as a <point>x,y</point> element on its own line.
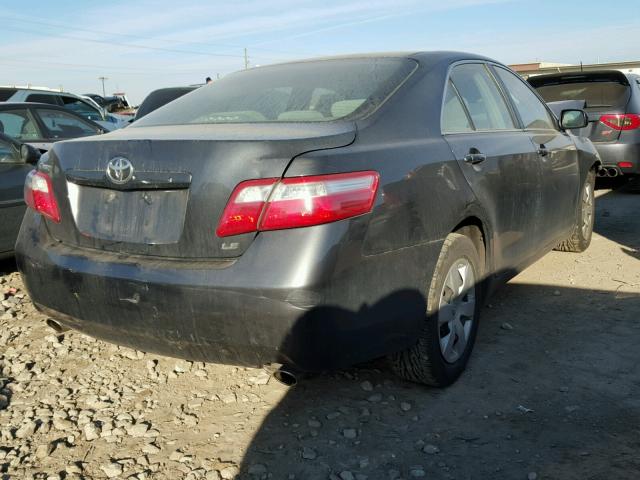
<point>316,91</point>
<point>8,153</point>
<point>532,111</point>
<point>482,97</point>
<point>454,118</point>
<point>18,124</point>
<point>63,125</point>
<point>597,93</point>
<point>6,93</point>
<point>43,98</point>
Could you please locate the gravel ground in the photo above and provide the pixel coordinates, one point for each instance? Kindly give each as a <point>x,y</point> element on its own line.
<point>552,392</point>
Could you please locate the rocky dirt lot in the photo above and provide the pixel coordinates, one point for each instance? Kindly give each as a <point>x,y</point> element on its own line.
<point>552,392</point>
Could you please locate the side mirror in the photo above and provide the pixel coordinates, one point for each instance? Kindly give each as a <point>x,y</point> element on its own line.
<point>573,119</point>
<point>29,154</point>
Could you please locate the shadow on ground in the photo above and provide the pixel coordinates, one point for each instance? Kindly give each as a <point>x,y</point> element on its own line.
<point>7,265</point>
<point>553,387</point>
<point>617,214</point>
<point>547,397</point>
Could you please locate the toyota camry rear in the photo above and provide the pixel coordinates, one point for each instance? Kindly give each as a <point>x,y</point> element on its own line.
<point>315,214</point>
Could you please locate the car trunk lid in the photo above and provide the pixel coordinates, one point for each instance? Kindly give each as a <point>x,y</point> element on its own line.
<point>182,179</point>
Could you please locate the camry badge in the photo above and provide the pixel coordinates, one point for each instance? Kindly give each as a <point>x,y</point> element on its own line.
<point>119,170</point>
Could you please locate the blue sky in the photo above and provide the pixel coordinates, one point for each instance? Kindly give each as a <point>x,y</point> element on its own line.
<point>141,45</point>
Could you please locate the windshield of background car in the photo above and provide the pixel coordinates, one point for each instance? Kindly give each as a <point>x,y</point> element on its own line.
<point>317,91</point>
<point>597,94</point>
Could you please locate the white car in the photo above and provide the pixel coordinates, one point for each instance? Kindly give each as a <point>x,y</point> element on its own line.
<point>83,106</point>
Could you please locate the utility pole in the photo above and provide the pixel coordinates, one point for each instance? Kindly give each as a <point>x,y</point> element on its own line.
<point>246,59</point>
<point>102,79</point>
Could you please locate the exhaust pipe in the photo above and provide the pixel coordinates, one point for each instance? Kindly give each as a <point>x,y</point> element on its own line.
<point>608,172</point>
<point>286,376</point>
<point>55,326</point>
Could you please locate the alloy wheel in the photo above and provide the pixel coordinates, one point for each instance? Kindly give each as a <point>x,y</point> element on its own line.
<point>587,208</point>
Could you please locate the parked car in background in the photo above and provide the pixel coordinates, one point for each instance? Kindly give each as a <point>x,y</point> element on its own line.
<point>315,214</point>
<point>74,103</point>
<point>613,107</point>
<point>105,102</point>
<point>40,124</point>
<point>160,97</point>
<point>122,120</point>
<point>16,162</point>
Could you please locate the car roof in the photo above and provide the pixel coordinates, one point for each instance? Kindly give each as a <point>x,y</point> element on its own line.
<point>424,57</point>
<point>12,105</point>
<point>45,90</point>
<point>187,88</point>
<point>32,87</point>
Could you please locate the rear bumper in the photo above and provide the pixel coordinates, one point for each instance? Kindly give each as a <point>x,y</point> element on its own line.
<point>285,300</point>
<point>614,153</point>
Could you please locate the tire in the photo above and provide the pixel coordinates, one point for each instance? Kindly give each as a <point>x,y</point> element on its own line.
<point>583,226</point>
<point>428,362</point>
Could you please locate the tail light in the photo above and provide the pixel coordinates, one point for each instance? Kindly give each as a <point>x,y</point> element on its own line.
<point>38,195</point>
<point>627,121</point>
<point>276,204</point>
<point>625,164</point>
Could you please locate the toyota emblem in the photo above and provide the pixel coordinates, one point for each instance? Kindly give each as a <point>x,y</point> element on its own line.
<point>119,170</point>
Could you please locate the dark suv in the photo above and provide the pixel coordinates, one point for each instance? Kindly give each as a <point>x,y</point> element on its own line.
<point>613,106</point>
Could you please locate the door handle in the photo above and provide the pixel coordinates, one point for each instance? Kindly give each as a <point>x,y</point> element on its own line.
<point>475,158</point>
<point>543,151</point>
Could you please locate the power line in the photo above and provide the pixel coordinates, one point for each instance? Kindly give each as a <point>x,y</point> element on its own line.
<point>129,45</point>
<point>139,37</point>
<point>36,67</point>
<point>114,68</point>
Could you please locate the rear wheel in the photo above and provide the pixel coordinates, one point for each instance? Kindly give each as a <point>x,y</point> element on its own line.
<point>583,228</point>
<point>451,323</point>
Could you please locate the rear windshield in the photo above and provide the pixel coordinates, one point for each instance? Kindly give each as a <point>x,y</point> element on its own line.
<point>158,98</point>
<point>318,91</point>
<point>597,94</point>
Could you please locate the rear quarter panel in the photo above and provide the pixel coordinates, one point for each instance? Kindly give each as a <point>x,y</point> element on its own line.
<point>422,194</point>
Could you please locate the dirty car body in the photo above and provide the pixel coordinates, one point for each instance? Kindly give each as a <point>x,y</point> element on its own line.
<point>159,260</point>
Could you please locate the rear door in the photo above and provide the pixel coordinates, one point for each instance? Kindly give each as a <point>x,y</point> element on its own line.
<point>557,156</point>
<point>498,161</point>
<point>12,174</point>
